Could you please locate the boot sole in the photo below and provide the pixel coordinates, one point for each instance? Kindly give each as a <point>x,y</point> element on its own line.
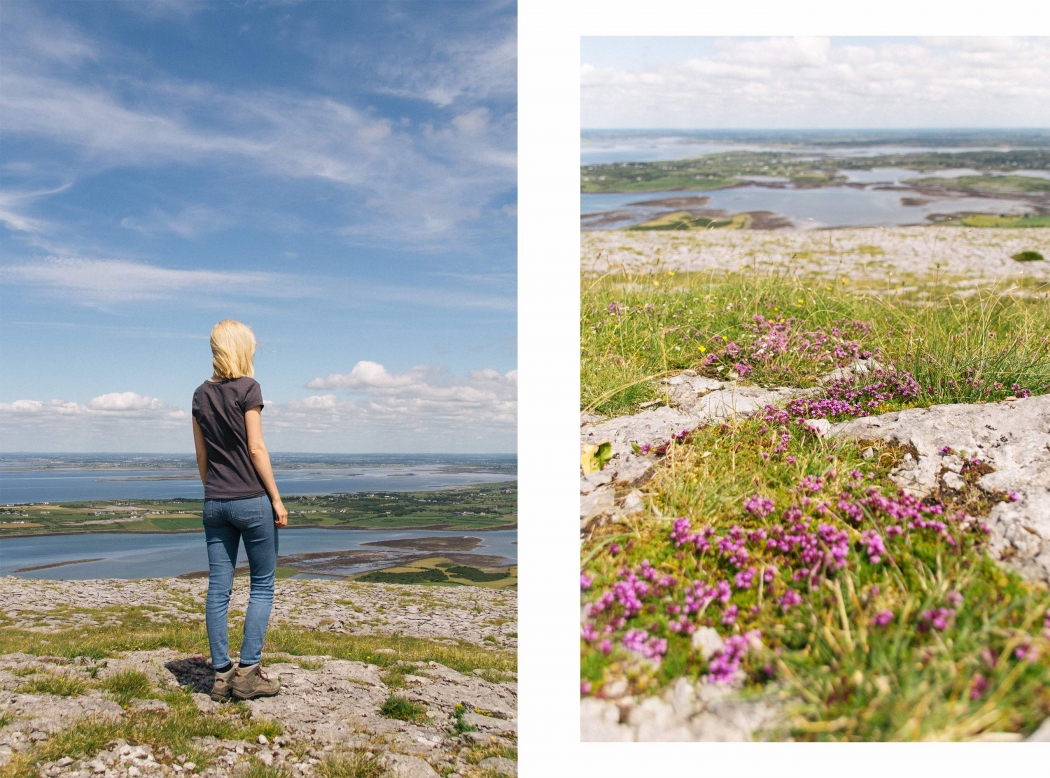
<point>220,697</point>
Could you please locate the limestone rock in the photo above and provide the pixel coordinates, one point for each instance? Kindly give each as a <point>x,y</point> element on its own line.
<point>708,642</point>
<point>500,765</point>
<point>1013,437</point>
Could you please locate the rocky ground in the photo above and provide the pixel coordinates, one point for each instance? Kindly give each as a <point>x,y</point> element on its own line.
<point>475,614</point>
<point>860,253</point>
<point>328,709</point>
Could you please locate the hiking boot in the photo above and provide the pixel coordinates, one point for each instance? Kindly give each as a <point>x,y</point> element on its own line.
<point>249,683</point>
<point>221,689</point>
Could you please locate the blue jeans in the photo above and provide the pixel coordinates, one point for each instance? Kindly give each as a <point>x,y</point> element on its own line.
<point>225,523</point>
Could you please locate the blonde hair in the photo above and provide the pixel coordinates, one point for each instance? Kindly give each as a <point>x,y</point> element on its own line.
<point>232,348</point>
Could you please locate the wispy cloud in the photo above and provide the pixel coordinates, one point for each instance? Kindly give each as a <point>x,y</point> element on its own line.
<point>114,280</point>
<point>414,185</point>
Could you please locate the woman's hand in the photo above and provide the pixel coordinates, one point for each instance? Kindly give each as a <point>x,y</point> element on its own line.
<point>280,514</point>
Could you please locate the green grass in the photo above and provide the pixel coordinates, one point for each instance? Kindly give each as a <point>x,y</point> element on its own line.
<point>139,633</point>
<point>1028,256</point>
<point>127,685</point>
<point>683,220</point>
<point>420,576</point>
<point>843,677</point>
<point>988,220</point>
<point>397,707</point>
<point>58,685</point>
<point>667,324</point>
<point>474,574</point>
<point>460,724</point>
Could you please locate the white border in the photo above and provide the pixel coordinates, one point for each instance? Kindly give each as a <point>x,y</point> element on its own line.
<point>548,325</point>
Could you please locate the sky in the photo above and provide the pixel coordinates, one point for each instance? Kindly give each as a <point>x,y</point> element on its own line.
<point>339,176</point>
<point>811,83</point>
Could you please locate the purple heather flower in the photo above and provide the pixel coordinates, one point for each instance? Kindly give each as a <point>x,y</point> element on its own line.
<point>759,506</point>
<point>789,599</point>
<point>729,614</point>
<point>585,687</point>
<point>954,598</point>
<point>1026,652</point>
<point>882,618</point>
<point>605,646</point>
<point>614,308</point>
<point>585,581</point>
<point>1013,497</point>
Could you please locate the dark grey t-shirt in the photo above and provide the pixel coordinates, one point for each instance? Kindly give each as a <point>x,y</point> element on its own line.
<point>218,407</point>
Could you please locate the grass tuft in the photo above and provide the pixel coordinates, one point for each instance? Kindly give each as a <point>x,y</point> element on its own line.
<point>354,764</point>
<point>397,707</point>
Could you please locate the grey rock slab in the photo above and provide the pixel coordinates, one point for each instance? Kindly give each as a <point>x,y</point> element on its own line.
<point>592,481</point>
<point>405,766</point>
<point>500,765</point>
<point>598,501</point>
<point>1013,437</point>
<point>600,722</point>
<point>708,642</point>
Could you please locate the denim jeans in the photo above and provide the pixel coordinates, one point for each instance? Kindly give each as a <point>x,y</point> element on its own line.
<point>226,522</point>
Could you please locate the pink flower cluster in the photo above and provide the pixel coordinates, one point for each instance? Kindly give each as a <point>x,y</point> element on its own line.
<point>725,665</point>
<point>771,343</point>
<point>640,641</point>
<point>851,397</point>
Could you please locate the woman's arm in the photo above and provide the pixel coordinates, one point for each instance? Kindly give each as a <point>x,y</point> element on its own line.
<point>202,451</point>
<point>261,460</point>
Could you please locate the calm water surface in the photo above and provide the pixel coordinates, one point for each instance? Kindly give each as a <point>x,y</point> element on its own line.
<point>838,206</point>
<point>130,555</point>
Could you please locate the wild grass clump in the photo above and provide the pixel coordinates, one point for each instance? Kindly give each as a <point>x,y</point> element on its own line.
<point>127,685</point>
<point>59,685</point>
<point>788,331</point>
<point>353,764</point>
<point>398,707</point>
<point>1028,256</point>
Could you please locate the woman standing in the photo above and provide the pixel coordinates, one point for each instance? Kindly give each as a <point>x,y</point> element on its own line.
<point>241,501</point>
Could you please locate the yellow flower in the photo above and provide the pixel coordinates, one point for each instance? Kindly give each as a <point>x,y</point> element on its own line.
<point>702,349</point>
<point>828,288</point>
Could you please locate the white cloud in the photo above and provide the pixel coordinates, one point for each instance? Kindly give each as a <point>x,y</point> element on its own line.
<point>818,82</point>
<point>419,410</point>
<point>421,406</point>
<point>119,421</point>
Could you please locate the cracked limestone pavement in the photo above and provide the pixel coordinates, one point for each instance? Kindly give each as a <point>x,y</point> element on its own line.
<point>466,612</point>
<point>326,706</point>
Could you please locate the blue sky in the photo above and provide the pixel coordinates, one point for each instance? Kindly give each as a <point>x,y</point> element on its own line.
<point>339,175</point>
<point>679,82</point>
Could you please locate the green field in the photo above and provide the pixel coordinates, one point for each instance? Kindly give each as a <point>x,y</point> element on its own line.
<point>718,171</point>
<point>485,506</point>
<point>441,572</point>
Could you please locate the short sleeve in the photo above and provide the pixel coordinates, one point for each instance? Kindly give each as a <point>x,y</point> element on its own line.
<point>253,397</point>
<point>195,406</point>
